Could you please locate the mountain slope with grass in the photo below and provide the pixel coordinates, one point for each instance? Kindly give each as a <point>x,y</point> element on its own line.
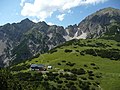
<point>91,64</point>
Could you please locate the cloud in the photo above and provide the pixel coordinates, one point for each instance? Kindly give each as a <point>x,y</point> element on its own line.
<point>22,2</point>
<point>50,23</point>
<point>61,17</point>
<point>35,20</point>
<point>43,9</point>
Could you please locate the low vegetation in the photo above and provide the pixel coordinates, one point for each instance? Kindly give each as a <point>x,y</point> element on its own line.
<point>90,64</point>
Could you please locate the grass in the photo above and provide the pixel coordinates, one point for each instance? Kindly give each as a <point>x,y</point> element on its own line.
<point>109,68</point>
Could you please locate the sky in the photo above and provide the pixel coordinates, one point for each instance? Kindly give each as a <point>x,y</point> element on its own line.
<point>59,12</point>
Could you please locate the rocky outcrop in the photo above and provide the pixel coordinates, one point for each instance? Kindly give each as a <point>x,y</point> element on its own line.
<point>20,41</point>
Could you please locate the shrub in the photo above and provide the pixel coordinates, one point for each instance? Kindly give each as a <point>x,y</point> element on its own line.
<point>84,78</point>
<point>71,83</point>
<point>73,87</point>
<point>52,51</point>
<point>51,78</point>
<point>97,83</point>
<point>67,50</point>
<point>84,86</point>
<point>77,50</point>
<point>90,71</point>
<point>82,53</point>
<point>70,77</point>
<point>92,64</point>
<point>68,85</point>
<point>85,65</point>
<point>66,81</point>
<point>66,75</point>
<point>55,74</point>
<point>74,71</point>
<point>67,70</point>
<point>59,63</point>
<point>19,68</point>
<point>91,78</point>
<point>81,71</point>
<point>98,76</point>
<point>57,78</point>
<point>59,81</point>
<point>63,61</point>
<point>75,47</point>
<point>59,86</point>
<point>95,67</point>
<point>78,71</point>
<point>70,64</point>
<point>61,75</point>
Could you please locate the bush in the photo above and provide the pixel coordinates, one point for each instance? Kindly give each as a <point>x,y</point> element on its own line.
<point>59,81</point>
<point>71,83</point>
<point>77,50</point>
<point>66,75</point>
<point>98,76</point>
<point>70,77</point>
<point>55,74</point>
<point>92,64</point>
<point>70,64</point>
<point>78,71</point>
<point>91,78</point>
<point>67,70</point>
<point>90,71</point>
<point>67,50</point>
<point>73,87</point>
<point>59,63</point>
<point>85,65</point>
<point>19,68</point>
<point>84,86</point>
<point>84,78</point>
<point>74,71</point>
<point>51,78</point>
<point>63,61</point>
<point>95,67</point>
<point>66,81</point>
<point>81,71</point>
<point>52,51</point>
<point>68,85</point>
<point>82,53</point>
<point>59,86</point>
<point>61,75</point>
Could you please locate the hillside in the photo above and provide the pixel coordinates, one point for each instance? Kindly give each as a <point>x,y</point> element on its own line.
<point>94,64</point>
<point>90,63</point>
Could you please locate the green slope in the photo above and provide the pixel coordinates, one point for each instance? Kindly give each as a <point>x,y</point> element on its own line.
<point>73,55</point>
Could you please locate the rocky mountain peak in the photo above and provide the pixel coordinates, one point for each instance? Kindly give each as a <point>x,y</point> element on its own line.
<point>26,21</point>
<point>110,11</point>
<point>95,23</point>
<point>20,41</point>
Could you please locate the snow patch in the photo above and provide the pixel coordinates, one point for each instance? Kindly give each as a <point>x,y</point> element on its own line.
<point>67,31</point>
<point>50,35</point>
<point>82,36</point>
<point>118,30</point>
<point>50,46</point>
<point>67,38</point>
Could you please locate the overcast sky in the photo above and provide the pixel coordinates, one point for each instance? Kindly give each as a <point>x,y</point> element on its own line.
<point>60,12</point>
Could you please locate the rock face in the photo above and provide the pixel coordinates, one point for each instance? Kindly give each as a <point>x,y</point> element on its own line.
<point>94,25</point>
<point>20,41</point>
